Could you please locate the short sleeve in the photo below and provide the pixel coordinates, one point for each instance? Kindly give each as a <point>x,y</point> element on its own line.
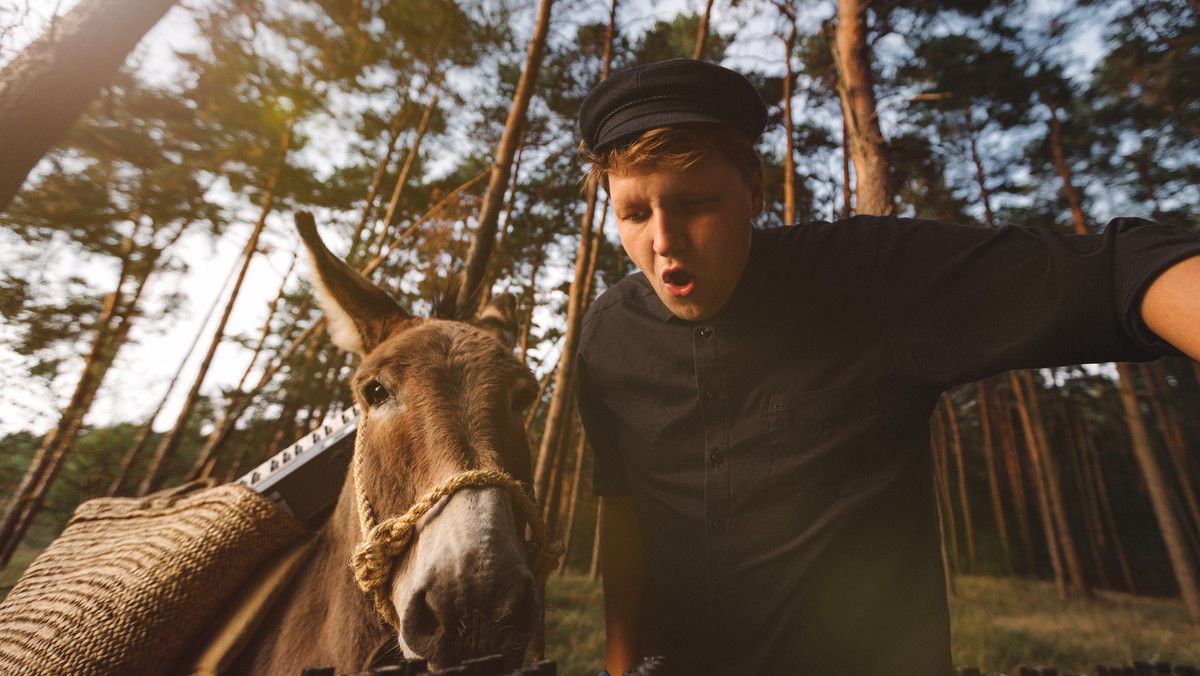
<point>609,476</point>
<point>967,302</point>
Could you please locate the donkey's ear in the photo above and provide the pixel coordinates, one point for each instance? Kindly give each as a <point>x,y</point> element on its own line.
<point>499,318</point>
<point>361,315</point>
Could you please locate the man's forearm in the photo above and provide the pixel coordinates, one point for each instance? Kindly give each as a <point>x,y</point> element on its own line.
<point>623,568</point>
<point>1171,306</point>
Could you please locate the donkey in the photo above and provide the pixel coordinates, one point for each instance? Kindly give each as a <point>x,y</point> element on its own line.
<point>437,397</point>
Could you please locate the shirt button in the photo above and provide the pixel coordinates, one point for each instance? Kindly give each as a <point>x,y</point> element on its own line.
<point>720,597</point>
<point>705,332</point>
<point>717,526</point>
<point>712,395</point>
<point>716,458</point>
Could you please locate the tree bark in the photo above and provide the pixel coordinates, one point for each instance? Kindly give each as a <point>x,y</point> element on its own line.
<point>1057,501</point>
<point>207,459</point>
<point>1109,519</point>
<point>165,452</point>
<point>868,149</point>
<point>985,195</point>
<point>357,239</point>
<point>45,88</point>
<point>1053,483</point>
<point>989,452</point>
<point>1157,388</point>
<point>789,131</point>
<point>409,158</point>
<point>485,233</point>
<point>1034,448</point>
<point>956,439</point>
<point>1156,484</point>
<point>113,326</point>
<point>1081,471</point>
<point>1012,463</point>
<point>573,500</point>
<point>557,415</point>
<point>950,556</point>
<point>1073,194</point>
<point>701,31</point>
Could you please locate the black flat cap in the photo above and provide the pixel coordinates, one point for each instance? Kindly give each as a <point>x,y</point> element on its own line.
<point>668,94</point>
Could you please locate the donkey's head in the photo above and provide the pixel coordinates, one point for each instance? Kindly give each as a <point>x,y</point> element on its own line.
<point>438,398</point>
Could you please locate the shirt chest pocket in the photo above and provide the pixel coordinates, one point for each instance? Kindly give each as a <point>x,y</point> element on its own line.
<point>824,444</point>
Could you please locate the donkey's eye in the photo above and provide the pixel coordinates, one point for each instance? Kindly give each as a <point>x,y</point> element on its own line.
<point>375,394</point>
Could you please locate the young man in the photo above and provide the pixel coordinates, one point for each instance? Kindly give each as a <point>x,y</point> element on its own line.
<point>759,399</point>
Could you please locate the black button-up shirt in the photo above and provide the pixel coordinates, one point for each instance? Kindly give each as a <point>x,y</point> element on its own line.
<point>778,453</point>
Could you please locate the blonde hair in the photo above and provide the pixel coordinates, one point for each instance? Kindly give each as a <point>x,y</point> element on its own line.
<point>675,149</point>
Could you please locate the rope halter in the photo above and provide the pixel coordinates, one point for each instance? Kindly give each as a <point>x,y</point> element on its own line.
<point>383,543</point>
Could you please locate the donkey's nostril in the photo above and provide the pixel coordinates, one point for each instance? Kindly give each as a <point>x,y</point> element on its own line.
<point>422,629</point>
<point>449,622</point>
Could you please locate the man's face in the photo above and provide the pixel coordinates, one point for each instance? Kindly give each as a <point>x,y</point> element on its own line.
<point>688,231</point>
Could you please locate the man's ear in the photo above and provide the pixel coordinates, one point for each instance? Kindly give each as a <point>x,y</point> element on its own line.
<point>360,314</point>
<point>499,318</point>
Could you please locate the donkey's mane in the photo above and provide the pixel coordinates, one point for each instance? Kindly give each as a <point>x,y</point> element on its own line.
<point>445,300</point>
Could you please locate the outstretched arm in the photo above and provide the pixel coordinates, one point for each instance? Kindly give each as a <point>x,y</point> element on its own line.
<point>623,568</point>
<point>1171,306</point>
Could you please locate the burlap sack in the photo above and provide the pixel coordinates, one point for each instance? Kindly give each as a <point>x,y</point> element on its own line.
<point>131,583</point>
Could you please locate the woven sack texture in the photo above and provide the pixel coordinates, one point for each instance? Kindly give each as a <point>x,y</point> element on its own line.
<point>130,583</point>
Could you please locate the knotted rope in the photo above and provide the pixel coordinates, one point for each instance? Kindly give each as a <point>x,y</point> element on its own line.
<point>383,543</point>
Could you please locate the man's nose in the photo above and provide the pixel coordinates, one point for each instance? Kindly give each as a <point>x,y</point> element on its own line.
<point>669,234</point>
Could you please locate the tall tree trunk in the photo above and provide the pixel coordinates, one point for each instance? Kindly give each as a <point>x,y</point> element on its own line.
<point>45,88</point>
<point>1109,519</point>
<point>573,500</point>
<point>989,452</point>
<point>358,239</point>
<point>163,455</point>
<point>1156,484</point>
<point>207,459</point>
<point>557,416</point>
<point>1034,448</point>
<point>985,195</point>
<point>485,233</point>
<point>701,30</point>
<point>945,503</point>
<point>113,326</point>
<point>868,149</point>
<point>1016,483</point>
<point>1081,470</point>
<point>409,158</point>
<point>136,448</point>
<point>1158,391</point>
<point>947,567</point>
<point>1052,476</point>
<point>1072,192</point>
<point>847,190</point>
<point>956,439</point>
<point>789,129</point>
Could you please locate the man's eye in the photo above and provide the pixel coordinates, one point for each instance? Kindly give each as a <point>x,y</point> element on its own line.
<point>375,393</point>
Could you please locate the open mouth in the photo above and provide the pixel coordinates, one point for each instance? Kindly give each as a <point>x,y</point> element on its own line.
<point>679,281</point>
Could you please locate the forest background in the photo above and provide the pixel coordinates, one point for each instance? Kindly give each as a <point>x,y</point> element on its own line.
<point>157,326</point>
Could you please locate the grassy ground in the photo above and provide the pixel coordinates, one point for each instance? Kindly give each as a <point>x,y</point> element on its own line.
<point>998,625</point>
